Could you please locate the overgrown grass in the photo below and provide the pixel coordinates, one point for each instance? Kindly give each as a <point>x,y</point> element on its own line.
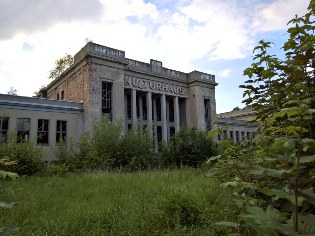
<point>142,203</point>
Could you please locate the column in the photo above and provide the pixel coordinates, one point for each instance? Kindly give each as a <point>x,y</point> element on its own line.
<point>133,107</point>
<point>163,113</point>
<point>176,113</point>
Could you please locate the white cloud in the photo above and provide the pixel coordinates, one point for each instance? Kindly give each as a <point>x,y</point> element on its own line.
<point>224,73</point>
<point>276,15</point>
<point>190,31</point>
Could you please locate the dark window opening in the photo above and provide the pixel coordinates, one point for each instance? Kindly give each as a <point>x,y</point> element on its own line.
<point>129,126</point>
<point>129,105</point>
<point>158,108</point>
<point>107,99</point>
<point>171,110</point>
<point>207,107</point>
<point>225,134</point>
<point>42,131</point>
<point>4,127</point>
<point>23,129</point>
<point>172,131</point>
<point>243,135</point>
<point>248,136</point>
<point>144,108</point>
<point>61,130</point>
<point>58,96</point>
<point>138,107</point>
<point>237,134</point>
<point>62,97</point>
<point>231,135</point>
<point>159,133</point>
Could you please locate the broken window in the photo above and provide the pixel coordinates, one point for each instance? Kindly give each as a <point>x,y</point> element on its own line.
<point>61,130</point>
<point>4,126</point>
<point>107,99</point>
<point>42,131</point>
<point>207,107</point>
<point>23,129</point>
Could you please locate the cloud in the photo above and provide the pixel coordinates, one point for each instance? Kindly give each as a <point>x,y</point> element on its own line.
<point>224,73</point>
<point>275,16</point>
<point>18,16</point>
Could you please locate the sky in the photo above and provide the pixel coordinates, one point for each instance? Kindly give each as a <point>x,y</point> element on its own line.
<point>212,36</point>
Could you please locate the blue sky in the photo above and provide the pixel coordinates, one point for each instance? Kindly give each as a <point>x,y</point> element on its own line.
<point>213,36</point>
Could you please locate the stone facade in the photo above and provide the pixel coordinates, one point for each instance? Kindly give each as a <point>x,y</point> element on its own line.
<point>108,83</point>
<point>40,120</point>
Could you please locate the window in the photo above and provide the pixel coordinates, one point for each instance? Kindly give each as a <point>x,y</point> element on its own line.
<point>23,129</point>
<point>61,131</point>
<point>4,126</point>
<point>144,108</point>
<point>207,107</point>
<point>232,135</point>
<point>237,136</point>
<point>225,134</point>
<point>172,131</point>
<point>58,96</point>
<point>171,110</point>
<point>107,99</point>
<point>42,131</point>
<point>248,136</point>
<point>243,136</point>
<point>62,97</point>
<point>158,109</point>
<point>129,105</point>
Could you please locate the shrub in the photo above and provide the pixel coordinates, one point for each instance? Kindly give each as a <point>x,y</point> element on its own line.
<point>27,155</point>
<point>106,148</point>
<point>188,147</point>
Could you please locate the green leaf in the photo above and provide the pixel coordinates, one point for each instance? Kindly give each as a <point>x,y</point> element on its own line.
<point>309,195</point>
<point>227,224</point>
<point>307,159</point>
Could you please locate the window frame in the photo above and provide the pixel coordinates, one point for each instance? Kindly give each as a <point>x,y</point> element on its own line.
<point>43,132</point>
<point>25,132</point>
<point>61,134</point>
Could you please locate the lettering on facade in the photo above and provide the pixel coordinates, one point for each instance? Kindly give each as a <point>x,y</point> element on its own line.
<point>153,85</point>
<point>206,77</point>
<point>108,51</point>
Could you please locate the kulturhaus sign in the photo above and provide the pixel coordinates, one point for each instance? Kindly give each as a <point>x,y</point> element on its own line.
<point>138,83</point>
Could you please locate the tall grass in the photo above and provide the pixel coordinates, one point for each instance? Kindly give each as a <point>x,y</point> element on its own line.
<point>142,203</point>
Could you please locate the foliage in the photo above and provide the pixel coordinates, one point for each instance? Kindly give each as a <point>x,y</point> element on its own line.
<point>27,156</point>
<point>177,202</point>
<point>188,147</point>
<point>60,66</point>
<point>107,149</point>
<point>42,92</point>
<point>274,179</point>
<point>12,91</point>
<point>5,175</point>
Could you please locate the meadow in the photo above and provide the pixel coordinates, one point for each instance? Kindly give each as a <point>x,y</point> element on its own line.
<point>165,202</point>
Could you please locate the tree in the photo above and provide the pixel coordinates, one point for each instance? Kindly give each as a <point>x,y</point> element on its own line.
<point>275,179</point>
<point>12,91</point>
<point>60,66</point>
<point>42,92</point>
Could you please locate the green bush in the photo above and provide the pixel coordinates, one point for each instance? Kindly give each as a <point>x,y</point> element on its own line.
<point>27,155</point>
<point>188,147</point>
<point>106,148</point>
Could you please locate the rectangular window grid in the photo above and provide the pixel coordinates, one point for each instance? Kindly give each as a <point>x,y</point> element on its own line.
<point>4,127</point>
<point>42,131</point>
<point>107,99</point>
<point>23,129</point>
<point>61,130</point>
